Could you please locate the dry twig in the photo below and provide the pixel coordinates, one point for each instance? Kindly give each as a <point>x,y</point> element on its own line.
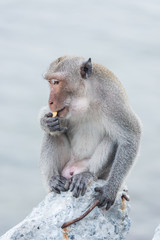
<point>66,224</point>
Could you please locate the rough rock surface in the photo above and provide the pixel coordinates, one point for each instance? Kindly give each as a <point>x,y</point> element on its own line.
<point>45,221</point>
<point>157,233</point>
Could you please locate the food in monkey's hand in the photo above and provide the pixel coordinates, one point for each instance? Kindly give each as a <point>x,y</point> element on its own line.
<point>54,114</point>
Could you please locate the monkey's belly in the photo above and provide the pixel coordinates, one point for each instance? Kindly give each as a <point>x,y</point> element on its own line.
<point>84,144</point>
<point>84,139</point>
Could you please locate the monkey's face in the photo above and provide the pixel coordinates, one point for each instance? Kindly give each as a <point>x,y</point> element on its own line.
<point>59,98</point>
<point>67,86</point>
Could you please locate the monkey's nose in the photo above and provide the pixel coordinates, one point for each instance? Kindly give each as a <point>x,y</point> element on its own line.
<point>51,105</point>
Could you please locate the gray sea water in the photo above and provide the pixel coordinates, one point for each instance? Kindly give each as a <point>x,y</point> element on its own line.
<point>122,35</point>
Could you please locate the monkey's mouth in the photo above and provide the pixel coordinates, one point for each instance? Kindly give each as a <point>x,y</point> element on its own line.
<point>59,111</point>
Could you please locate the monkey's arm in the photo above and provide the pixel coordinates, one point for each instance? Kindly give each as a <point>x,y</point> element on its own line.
<point>128,138</point>
<point>55,152</point>
<point>112,159</point>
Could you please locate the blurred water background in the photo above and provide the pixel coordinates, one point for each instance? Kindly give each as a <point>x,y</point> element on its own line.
<point>120,34</point>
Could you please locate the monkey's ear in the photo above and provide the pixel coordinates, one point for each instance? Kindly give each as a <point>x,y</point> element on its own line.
<point>86,69</point>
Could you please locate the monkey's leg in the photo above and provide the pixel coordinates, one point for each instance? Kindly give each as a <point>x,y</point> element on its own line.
<point>100,165</point>
<point>97,165</point>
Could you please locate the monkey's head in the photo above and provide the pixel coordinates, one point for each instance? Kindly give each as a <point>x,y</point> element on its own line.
<point>67,80</point>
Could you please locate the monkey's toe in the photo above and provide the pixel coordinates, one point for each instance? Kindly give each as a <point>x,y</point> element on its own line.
<point>58,184</point>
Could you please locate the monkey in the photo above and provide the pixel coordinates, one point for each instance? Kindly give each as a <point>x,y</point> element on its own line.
<point>96,133</point>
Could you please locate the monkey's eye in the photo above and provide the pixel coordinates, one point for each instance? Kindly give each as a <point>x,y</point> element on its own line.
<point>54,81</point>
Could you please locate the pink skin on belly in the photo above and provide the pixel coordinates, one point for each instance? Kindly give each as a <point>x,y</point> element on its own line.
<point>68,172</point>
<point>72,168</point>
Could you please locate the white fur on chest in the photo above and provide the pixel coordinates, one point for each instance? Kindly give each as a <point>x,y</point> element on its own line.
<point>84,138</point>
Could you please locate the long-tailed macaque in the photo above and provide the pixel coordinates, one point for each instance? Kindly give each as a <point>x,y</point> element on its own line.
<point>95,133</point>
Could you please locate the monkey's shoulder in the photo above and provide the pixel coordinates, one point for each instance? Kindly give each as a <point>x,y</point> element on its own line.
<point>107,75</point>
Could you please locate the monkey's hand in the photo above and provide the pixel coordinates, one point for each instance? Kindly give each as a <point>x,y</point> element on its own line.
<point>58,184</point>
<point>106,196</point>
<point>51,124</point>
<point>80,182</point>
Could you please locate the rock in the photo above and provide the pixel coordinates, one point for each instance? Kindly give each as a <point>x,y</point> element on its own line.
<point>45,221</point>
<point>157,233</point>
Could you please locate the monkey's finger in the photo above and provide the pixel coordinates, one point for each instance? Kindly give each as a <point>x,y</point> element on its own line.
<point>84,188</point>
<point>63,129</point>
<point>102,202</point>
<point>60,184</point>
<point>67,184</point>
<point>72,186</point>
<point>55,190</point>
<point>54,128</point>
<point>51,120</point>
<point>98,189</point>
<point>77,189</point>
<point>57,128</point>
<point>48,114</point>
<point>62,181</point>
<point>53,124</point>
<point>61,188</point>
<point>76,192</point>
<point>109,204</point>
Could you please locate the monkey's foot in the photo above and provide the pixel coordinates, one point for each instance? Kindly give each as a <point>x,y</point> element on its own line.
<point>59,184</point>
<point>79,183</point>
